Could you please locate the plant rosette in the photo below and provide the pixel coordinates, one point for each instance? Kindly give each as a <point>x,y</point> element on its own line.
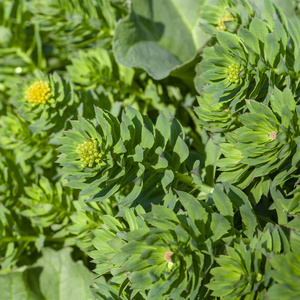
<point>48,206</point>
<point>88,152</point>
<point>45,102</point>
<point>287,278</point>
<point>223,73</point>
<point>11,180</point>
<point>226,16</point>
<point>215,118</point>
<point>88,218</point>
<point>164,255</point>
<point>111,156</point>
<point>244,270</point>
<point>247,64</point>
<point>36,152</point>
<point>266,143</point>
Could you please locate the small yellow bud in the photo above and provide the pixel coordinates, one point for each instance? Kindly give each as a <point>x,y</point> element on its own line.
<point>226,17</point>
<point>233,73</point>
<point>88,153</point>
<point>38,93</point>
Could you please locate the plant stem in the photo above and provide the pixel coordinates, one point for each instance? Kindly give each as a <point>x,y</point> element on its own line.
<point>28,238</point>
<point>186,179</point>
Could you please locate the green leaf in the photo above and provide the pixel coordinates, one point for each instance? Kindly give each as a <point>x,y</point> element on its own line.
<point>162,131</point>
<point>135,263</point>
<point>62,278</point>
<point>167,179</point>
<point>145,38</point>
<point>162,162</point>
<point>212,152</point>
<point>249,220</point>
<point>147,138</point>
<point>39,243</point>
<point>134,247</point>
<point>271,48</point>
<point>162,212</point>
<point>180,153</point>
<point>230,41</point>
<point>281,205</point>
<point>55,276</point>
<point>219,226</point>
<point>88,127</point>
<point>140,279</point>
<point>277,292</point>
<point>259,29</point>
<point>222,201</point>
<point>14,286</point>
<point>256,122</point>
<point>250,39</point>
<point>194,209</point>
<point>182,234</point>
<point>130,218</point>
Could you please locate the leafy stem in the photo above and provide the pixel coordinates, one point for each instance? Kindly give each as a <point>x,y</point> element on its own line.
<point>30,238</point>
<point>186,179</point>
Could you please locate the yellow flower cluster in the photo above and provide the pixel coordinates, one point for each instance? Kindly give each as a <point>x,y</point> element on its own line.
<point>233,73</point>
<point>226,17</point>
<point>89,153</point>
<point>38,93</point>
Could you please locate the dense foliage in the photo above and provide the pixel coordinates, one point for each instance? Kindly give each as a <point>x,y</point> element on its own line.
<point>149,149</point>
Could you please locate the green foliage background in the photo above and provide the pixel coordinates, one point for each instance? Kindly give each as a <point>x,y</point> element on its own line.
<point>165,161</point>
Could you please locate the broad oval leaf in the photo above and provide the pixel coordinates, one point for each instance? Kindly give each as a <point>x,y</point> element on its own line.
<point>145,38</point>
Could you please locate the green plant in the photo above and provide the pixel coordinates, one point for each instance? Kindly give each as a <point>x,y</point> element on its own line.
<point>149,149</point>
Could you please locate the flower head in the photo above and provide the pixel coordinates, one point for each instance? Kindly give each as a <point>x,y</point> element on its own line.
<point>38,93</point>
<point>233,73</point>
<point>226,18</point>
<point>89,153</point>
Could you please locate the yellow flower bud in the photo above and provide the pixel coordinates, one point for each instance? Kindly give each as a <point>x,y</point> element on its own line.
<point>38,93</point>
<point>89,154</point>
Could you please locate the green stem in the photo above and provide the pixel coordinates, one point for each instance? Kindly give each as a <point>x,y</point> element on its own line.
<point>186,179</point>
<point>293,74</point>
<point>244,240</point>
<point>29,238</point>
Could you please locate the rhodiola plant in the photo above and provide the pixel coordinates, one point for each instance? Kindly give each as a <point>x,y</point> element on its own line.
<point>149,149</point>
<point>146,160</point>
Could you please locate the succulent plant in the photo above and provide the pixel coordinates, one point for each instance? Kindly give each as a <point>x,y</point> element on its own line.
<point>164,255</point>
<point>226,16</point>
<point>46,102</point>
<point>119,155</point>
<point>244,272</point>
<point>266,142</point>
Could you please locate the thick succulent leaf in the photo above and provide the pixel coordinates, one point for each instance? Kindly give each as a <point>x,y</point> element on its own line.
<point>145,38</point>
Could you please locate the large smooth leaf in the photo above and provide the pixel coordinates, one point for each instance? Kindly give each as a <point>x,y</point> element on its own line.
<point>55,276</point>
<point>159,36</point>
<point>62,278</point>
<point>14,286</point>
